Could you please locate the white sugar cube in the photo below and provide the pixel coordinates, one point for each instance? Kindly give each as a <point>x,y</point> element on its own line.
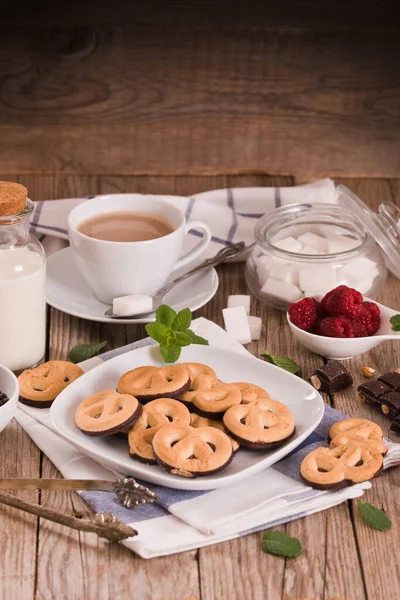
<point>309,250</point>
<point>290,244</point>
<point>340,243</point>
<point>239,300</point>
<point>285,272</point>
<point>314,240</point>
<point>317,279</point>
<point>281,289</point>
<point>133,304</point>
<point>255,324</point>
<point>358,268</point>
<point>263,267</point>
<point>237,324</point>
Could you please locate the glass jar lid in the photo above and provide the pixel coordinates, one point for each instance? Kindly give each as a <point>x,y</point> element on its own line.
<point>383,226</point>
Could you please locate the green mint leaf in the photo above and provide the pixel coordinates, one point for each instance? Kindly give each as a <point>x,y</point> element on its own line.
<point>84,351</point>
<point>170,353</point>
<point>196,339</point>
<point>182,320</point>
<point>282,361</point>
<point>377,519</point>
<point>158,331</point>
<point>165,315</point>
<point>395,322</point>
<point>280,544</point>
<point>183,339</point>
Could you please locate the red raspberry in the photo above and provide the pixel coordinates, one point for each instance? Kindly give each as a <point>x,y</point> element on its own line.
<point>303,314</point>
<point>359,327</point>
<point>338,327</point>
<point>345,302</point>
<point>329,295</point>
<point>370,316</point>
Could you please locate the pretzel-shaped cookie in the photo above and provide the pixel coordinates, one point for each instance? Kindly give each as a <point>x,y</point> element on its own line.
<point>202,377</point>
<point>215,401</point>
<point>198,421</point>
<point>156,414</point>
<point>186,451</point>
<point>41,385</point>
<point>357,430</point>
<point>107,412</point>
<point>251,392</point>
<point>333,468</point>
<point>149,383</point>
<point>261,424</point>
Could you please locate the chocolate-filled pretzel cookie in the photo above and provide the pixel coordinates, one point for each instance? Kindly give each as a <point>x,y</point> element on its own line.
<point>262,424</point>
<point>186,451</point>
<point>107,412</point>
<point>251,392</point>
<point>333,468</point>
<point>156,414</point>
<point>202,377</point>
<point>150,383</point>
<point>361,431</point>
<point>213,403</point>
<point>40,386</point>
<point>199,421</point>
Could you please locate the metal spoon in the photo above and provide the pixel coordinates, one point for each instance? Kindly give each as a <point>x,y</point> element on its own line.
<point>221,256</point>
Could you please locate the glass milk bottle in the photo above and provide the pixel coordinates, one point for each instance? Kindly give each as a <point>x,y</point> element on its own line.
<point>22,282</point>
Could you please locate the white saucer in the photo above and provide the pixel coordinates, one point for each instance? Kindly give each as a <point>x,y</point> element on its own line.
<point>67,291</point>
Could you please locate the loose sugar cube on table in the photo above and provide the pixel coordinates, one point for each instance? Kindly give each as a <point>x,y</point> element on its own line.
<point>239,300</point>
<point>237,324</point>
<point>317,279</point>
<point>290,244</point>
<point>255,324</point>
<point>281,289</point>
<point>314,240</point>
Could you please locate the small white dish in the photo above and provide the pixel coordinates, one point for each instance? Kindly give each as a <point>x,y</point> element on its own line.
<point>9,385</point>
<point>345,348</point>
<point>67,291</point>
<point>303,400</point>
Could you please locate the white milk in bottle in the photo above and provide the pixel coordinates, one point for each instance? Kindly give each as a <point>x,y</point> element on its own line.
<point>22,282</point>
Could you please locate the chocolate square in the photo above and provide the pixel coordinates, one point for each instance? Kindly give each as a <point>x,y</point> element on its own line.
<point>373,389</point>
<point>390,404</point>
<point>395,426</point>
<point>391,379</point>
<point>332,377</point>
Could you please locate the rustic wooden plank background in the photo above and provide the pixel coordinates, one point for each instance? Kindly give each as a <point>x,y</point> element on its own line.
<point>302,88</point>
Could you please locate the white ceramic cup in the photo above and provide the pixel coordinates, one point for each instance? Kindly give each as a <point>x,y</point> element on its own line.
<point>115,269</point>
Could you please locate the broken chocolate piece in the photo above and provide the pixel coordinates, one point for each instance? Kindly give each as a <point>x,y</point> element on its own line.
<point>372,390</point>
<point>391,379</point>
<point>395,426</point>
<point>390,404</point>
<point>332,377</point>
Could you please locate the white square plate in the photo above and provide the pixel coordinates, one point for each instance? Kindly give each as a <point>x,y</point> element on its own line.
<point>302,399</point>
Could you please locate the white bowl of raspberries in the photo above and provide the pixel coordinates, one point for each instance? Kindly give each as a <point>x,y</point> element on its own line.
<point>342,324</point>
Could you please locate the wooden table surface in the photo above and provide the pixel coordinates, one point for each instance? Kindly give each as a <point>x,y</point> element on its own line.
<point>342,559</point>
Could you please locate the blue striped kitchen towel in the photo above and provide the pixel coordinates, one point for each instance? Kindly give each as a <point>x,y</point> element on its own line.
<point>230,213</point>
<point>191,519</point>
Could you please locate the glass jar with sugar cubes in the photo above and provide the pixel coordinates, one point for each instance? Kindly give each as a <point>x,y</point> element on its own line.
<point>308,249</point>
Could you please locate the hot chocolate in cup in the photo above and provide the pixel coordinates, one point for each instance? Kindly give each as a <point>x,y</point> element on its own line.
<point>117,268</point>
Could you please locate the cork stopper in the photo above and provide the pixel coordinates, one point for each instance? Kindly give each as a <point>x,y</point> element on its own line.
<point>12,198</point>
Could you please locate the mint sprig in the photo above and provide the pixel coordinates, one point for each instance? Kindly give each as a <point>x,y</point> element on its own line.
<point>376,518</point>
<point>280,544</point>
<point>83,352</point>
<point>284,362</point>
<point>172,331</point>
<point>395,322</point>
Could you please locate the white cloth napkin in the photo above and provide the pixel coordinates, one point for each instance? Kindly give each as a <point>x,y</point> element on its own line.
<point>190,520</point>
<point>230,213</point>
